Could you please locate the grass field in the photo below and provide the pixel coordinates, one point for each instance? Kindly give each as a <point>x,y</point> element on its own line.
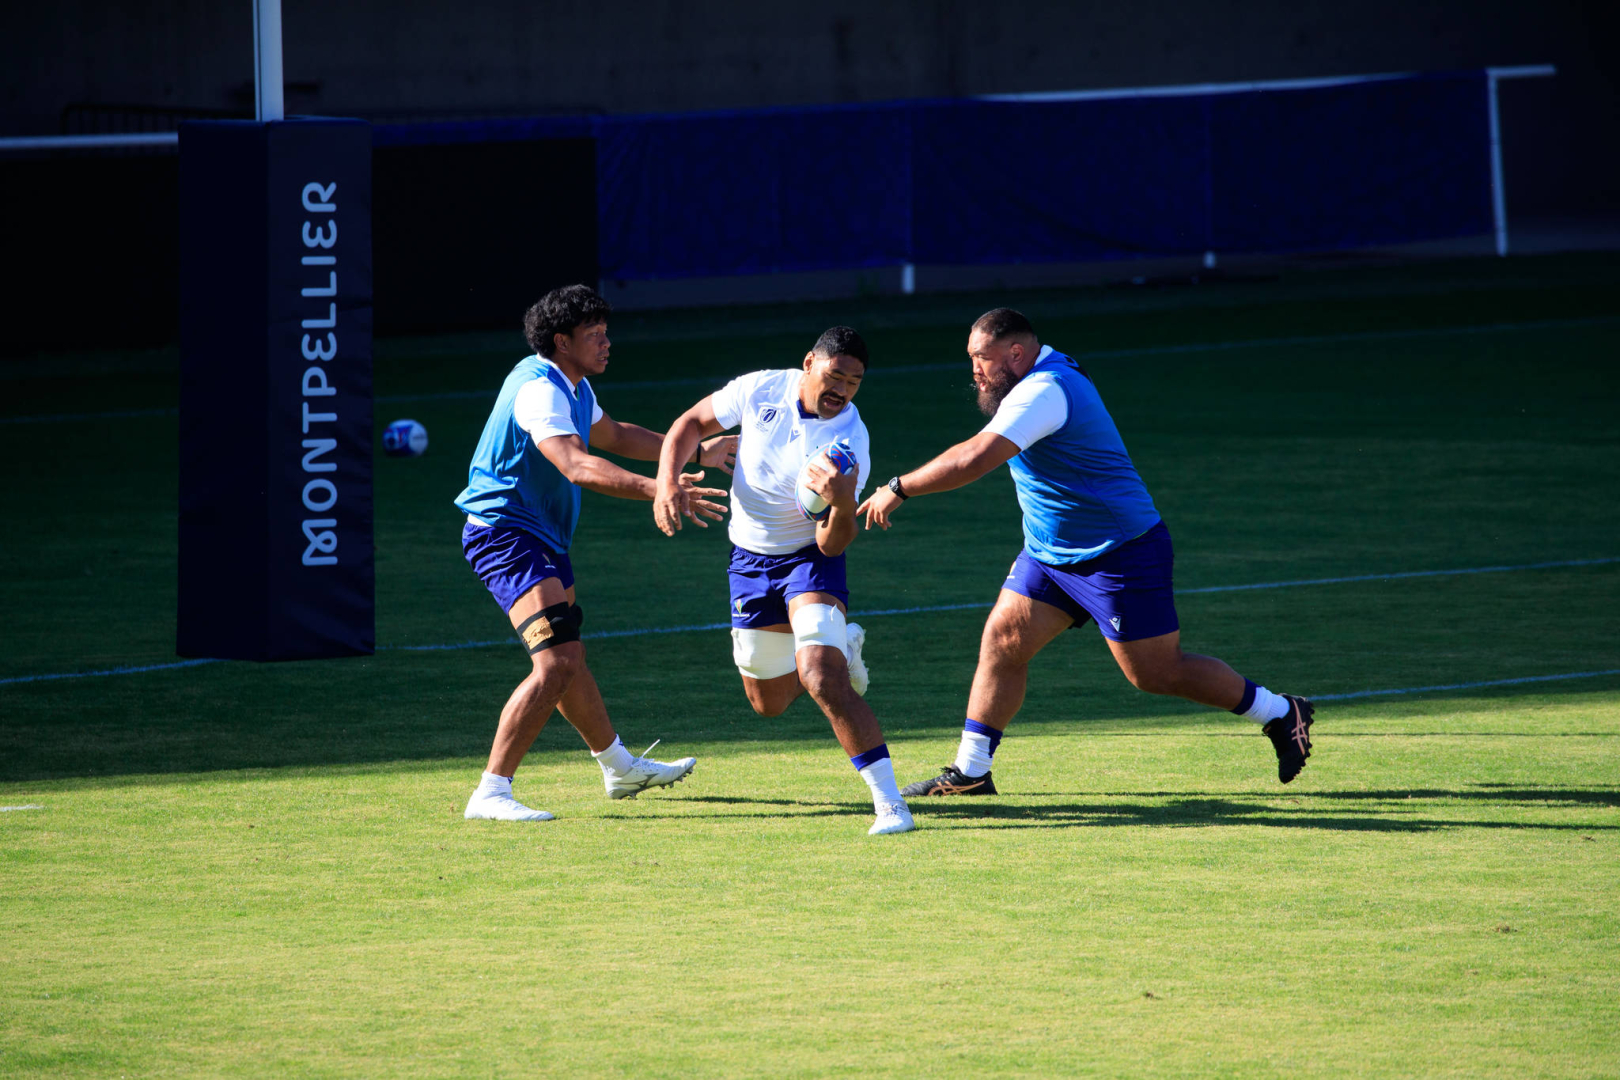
<point>244,870</point>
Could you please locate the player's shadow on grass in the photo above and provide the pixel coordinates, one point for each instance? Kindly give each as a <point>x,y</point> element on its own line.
<point>1203,813</point>
<point>786,808</point>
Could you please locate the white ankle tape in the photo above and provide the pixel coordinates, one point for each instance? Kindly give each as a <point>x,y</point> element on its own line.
<point>820,624</point>
<point>762,654</point>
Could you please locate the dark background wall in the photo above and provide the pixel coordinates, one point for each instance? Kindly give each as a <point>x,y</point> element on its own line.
<point>452,247</point>
<point>467,235</point>
<point>408,58</point>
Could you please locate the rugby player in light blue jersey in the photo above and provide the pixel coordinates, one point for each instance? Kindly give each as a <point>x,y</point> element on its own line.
<point>522,503</point>
<point>1094,548</point>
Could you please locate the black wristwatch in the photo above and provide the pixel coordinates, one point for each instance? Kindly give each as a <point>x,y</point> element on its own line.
<point>894,486</point>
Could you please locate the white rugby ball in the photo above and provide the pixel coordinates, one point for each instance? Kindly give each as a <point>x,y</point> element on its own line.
<point>404,438</point>
<point>811,505</point>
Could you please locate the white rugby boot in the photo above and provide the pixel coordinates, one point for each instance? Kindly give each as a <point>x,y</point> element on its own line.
<point>494,806</point>
<point>892,817</point>
<point>859,677</point>
<point>645,773</point>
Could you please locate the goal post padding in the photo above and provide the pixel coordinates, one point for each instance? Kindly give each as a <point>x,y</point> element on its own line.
<point>276,550</point>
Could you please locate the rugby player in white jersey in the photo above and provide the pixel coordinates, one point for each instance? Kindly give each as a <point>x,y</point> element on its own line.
<point>788,589</point>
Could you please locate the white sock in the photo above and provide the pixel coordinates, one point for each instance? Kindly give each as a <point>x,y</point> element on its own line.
<point>494,785</point>
<point>973,756</point>
<point>879,776</point>
<point>1267,706</point>
<point>615,760</point>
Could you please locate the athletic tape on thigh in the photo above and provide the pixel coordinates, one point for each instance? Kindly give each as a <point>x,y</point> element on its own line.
<point>819,624</point>
<point>762,654</point>
<point>555,625</point>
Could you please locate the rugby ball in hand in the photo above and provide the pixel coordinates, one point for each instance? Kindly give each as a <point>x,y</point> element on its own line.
<point>404,438</point>
<point>811,505</point>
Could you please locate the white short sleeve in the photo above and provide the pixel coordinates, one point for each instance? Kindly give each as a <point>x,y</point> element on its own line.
<point>1036,407</point>
<point>862,445</point>
<point>544,410</point>
<point>731,400</point>
<point>596,404</point>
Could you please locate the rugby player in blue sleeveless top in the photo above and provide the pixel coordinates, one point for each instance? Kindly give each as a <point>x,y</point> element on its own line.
<point>522,503</point>
<point>1094,548</point>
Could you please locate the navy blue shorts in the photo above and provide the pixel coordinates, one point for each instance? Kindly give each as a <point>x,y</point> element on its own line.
<point>510,561</point>
<point>1127,589</point>
<point>762,585</point>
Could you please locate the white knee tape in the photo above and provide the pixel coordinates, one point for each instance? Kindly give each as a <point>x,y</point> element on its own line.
<point>762,654</point>
<point>819,624</point>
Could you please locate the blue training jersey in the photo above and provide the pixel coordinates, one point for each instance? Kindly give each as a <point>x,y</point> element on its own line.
<point>510,482</point>
<point>1077,487</point>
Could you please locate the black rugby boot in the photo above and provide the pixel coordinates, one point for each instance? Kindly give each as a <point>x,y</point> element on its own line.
<point>951,782</point>
<point>1290,735</point>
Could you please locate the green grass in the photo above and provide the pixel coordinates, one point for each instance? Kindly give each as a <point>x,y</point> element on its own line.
<point>254,870</point>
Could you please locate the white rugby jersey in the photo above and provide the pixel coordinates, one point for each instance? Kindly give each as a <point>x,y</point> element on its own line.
<point>776,441</point>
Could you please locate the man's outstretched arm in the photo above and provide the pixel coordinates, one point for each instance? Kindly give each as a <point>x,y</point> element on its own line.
<point>600,475</point>
<point>626,440</point>
<point>960,465</point>
<point>643,444</point>
<point>670,501</point>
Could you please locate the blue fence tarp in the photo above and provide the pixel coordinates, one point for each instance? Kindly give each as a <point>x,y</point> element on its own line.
<point>699,195</point>
<point>1006,182</point>
<point>1376,161</point>
<point>1350,166</point>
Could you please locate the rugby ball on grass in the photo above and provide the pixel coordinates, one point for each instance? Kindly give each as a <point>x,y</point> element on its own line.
<point>811,505</point>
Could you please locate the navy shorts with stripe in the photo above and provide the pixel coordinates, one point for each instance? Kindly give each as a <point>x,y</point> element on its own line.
<point>511,561</point>
<point>762,585</point>
<point>1127,589</point>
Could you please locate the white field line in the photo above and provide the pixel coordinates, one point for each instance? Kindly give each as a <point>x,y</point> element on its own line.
<point>906,369</point>
<point>108,671</point>
<point>30,806</point>
<point>1465,685</point>
<point>923,609</point>
<point>646,631</point>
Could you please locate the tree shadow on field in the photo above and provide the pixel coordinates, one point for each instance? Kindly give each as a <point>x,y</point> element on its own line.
<point>1503,793</point>
<point>1484,792</point>
<point>398,708</point>
<point>1304,810</point>
<point>1179,811</point>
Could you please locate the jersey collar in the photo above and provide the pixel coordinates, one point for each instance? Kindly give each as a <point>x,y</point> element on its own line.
<point>573,387</point>
<point>798,402</point>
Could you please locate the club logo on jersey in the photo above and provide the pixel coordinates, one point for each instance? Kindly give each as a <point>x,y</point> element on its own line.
<point>766,417</point>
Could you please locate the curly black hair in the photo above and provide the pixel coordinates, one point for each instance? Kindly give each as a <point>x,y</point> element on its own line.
<point>1003,322</point>
<point>842,341</point>
<point>562,311</point>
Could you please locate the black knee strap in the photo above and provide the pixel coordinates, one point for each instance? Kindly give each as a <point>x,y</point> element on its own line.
<point>555,625</point>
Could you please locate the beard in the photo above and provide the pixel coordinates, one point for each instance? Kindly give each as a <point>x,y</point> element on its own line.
<point>997,387</point>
